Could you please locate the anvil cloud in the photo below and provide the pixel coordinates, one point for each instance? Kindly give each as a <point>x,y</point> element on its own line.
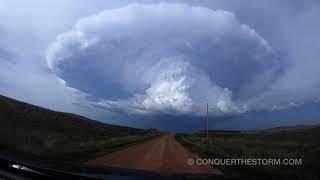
<point>166,58</point>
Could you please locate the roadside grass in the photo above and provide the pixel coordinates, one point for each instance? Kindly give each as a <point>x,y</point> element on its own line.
<point>32,132</point>
<point>77,152</point>
<point>91,150</point>
<point>289,144</point>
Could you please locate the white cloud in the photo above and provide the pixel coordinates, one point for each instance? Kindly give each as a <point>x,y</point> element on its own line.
<point>177,88</point>
<point>169,58</point>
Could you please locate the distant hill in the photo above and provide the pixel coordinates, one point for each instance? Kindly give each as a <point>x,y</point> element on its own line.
<point>287,129</point>
<point>297,128</point>
<point>29,129</point>
<point>293,128</point>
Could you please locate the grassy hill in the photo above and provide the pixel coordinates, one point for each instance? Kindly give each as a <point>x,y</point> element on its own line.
<point>27,130</point>
<point>300,142</point>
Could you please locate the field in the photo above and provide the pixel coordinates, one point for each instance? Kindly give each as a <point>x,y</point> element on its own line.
<point>29,131</point>
<point>284,143</point>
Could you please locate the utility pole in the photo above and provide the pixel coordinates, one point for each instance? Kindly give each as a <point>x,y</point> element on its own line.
<point>207,120</point>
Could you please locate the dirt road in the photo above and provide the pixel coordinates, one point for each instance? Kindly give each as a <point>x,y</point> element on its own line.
<point>163,155</point>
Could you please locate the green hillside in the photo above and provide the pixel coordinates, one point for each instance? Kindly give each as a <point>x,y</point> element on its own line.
<point>27,130</point>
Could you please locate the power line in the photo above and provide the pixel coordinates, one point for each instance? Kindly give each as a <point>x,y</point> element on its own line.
<point>207,120</point>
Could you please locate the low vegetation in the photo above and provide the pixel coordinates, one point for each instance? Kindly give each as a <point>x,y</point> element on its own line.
<point>283,143</point>
<point>32,132</point>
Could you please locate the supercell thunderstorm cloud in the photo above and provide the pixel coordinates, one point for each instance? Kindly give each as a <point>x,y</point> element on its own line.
<point>167,59</point>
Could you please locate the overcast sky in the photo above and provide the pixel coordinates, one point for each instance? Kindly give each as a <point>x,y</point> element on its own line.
<point>157,63</point>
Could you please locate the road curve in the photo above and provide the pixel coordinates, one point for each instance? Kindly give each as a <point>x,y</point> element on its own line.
<point>162,155</point>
